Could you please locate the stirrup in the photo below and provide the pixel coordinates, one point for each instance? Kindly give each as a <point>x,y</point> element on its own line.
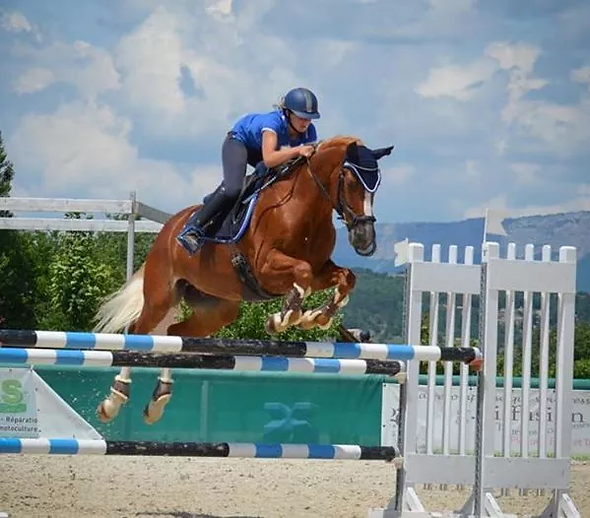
<point>191,239</point>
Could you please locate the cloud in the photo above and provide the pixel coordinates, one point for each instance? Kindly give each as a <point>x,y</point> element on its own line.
<point>563,129</point>
<point>581,75</point>
<point>399,175</point>
<point>519,57</point>
<point>481,103</point>
<point>472,169</point>
<point>519,61</point>
<point>499,203</point>
<point>152,55</point>
<point>221,8</point>
<point>15,22</point>
<point>461,81</point>
<point>534,125</point>
<point>88,68</point>
<point>84,147</point>
<point>526,173</point>
<point>33,79</point>
<point>172,46</point>
<point>455,81</point>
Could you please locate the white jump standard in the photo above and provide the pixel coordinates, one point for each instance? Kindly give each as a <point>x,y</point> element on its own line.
<point>466,453</point>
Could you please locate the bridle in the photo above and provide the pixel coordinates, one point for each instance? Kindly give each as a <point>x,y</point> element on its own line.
<point>344,211</point>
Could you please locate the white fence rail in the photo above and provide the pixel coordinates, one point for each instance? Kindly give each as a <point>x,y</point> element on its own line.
<point>130,208</point>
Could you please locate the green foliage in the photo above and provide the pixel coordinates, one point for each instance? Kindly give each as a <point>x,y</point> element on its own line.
<point>376,304</point>
<point>18,280</point>
<point>76,281</point>
<point>6,174</point>
<point>583,306</point>
<point>17,262</point>
<point>581,353</point>
<point>251,321</point>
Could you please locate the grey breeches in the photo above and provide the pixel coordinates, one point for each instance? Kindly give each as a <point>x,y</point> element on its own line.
<point>234,157</point>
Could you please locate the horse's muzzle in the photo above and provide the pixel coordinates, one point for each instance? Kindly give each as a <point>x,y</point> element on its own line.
<point>361,236</point>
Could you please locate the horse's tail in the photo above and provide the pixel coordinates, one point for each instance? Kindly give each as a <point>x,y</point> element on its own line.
<point>122,307</point>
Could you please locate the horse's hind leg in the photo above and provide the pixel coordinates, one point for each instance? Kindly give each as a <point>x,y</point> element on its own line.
<point>209,315</point>
<point>157,304</point>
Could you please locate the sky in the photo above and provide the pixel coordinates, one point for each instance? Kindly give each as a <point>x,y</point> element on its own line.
<point>486,101</point>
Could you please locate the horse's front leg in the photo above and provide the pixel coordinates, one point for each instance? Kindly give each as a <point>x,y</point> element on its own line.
<point>330,275</point>
<point>277,271</point>
<point>109,408</point>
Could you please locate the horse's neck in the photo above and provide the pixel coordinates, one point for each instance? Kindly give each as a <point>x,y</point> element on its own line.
<point>317,191</point>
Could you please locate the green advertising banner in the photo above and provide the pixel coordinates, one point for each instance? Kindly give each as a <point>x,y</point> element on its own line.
<point>232,406</point>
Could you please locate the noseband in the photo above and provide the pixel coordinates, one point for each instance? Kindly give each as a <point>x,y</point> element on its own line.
<point>343,209</point>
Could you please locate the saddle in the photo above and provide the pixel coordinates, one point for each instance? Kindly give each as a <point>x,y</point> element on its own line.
<point>236,222</point>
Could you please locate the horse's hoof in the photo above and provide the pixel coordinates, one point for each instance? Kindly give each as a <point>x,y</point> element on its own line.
<point>271,325</point>
<point>308,319</point>
<point>325,325</point>
<point>295,318</point>
<point>344,302</point>
<point>275,324</point>
<point>162,393</point>
<point>108,409</point>
<point>154,410</point>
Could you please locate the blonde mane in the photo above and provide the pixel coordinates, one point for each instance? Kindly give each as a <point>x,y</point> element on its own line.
<point>338,141</point>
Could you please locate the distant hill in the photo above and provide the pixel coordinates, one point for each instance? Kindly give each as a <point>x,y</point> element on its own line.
<point>557,230</point>
<point>376,304</point>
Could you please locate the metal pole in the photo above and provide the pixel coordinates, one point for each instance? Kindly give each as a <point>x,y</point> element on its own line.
<point>131,236</point>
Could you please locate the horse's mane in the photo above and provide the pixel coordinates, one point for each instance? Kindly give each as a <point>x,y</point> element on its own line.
<point>338,141</point>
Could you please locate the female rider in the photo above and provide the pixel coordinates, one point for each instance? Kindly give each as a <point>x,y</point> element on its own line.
<point>274,137</point>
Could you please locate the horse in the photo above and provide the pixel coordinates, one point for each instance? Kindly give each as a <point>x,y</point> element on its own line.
<point>281,246</point>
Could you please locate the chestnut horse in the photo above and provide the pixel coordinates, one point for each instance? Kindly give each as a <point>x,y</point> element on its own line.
<point>283,252</point>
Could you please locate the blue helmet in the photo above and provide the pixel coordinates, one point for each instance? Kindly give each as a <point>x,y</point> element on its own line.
<point>302,102</point>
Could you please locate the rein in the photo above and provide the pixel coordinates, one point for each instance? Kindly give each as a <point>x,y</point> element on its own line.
<point>342,208</point>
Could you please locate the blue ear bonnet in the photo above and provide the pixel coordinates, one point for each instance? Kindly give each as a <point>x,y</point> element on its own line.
<point>362,161</point>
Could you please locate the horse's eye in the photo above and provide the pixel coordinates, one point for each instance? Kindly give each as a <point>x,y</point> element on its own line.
<point>351,181</point>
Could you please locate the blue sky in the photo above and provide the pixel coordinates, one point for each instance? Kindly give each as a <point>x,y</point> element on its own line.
<point>487,102</point>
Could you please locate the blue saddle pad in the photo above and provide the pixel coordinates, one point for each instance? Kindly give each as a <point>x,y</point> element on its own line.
<point>236,223</point>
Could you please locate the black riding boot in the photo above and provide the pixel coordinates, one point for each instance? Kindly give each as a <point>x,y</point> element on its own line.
<point>205,221</point>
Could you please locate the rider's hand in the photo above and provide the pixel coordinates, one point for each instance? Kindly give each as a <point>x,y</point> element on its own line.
<point>305,151</point>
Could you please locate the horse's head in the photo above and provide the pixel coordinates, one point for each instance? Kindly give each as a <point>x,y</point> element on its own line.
<point>353,184</point>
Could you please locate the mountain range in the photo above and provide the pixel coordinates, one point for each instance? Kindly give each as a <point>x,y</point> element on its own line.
<point>571,229</point>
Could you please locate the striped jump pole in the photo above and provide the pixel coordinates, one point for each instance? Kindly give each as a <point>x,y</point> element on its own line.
<point>87,358</point>
<point>295,349</point>
<point>198,449</point>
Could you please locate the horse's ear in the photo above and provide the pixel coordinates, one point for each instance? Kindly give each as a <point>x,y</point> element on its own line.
<point>381,152</point>
<point>352,151</point>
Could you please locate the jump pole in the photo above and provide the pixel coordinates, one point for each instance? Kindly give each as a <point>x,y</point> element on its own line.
<point>85,358</point>
<point>181,344</point>
<point>198,449</point>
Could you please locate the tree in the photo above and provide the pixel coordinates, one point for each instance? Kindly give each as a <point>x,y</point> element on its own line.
<point>17,262</point>
<point>251,320</point>
<point>6,175</point>
<point>78,274</point>
<point>376,304</point>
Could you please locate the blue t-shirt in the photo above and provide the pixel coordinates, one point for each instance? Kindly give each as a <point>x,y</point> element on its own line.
<point>249,128</point>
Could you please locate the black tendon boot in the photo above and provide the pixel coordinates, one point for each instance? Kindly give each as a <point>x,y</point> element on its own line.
<point>205,221</point>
